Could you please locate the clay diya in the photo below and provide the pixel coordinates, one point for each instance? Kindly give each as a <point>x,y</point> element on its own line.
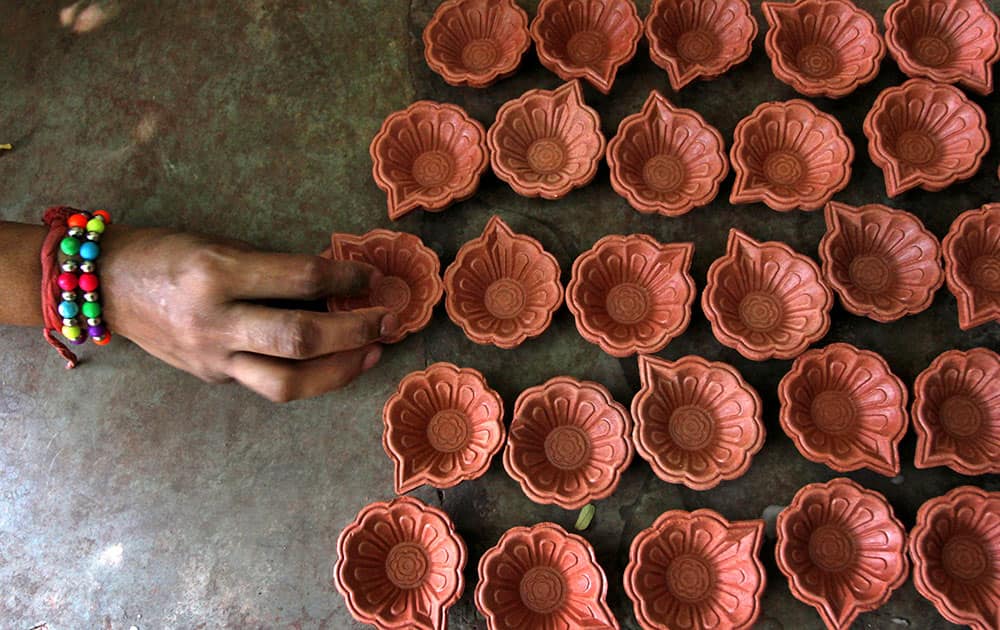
<point>789,155</point>
<point>476,42</point>
<point>842,549</point>
<point>883,263</point>
<point>947,41</point>
<point>400,565</point>
<point>428,156</point>
<point>956,412</point>
<point>972,265</point>
<point>442,426</point>
<point>411,283</point>
<point>568,442</point>
<point>541,577</point>
<point>843,407</point>
<point>696,570</point>
<point>586,39</point>
<point>632,294</point>
<point>766,300</point>
<point>502,287</point>
<point>925,134</point>
<point>955,548</point>
<point>666,159</point>
<point>822,47</point>
<point>697,422</point>
<point>699,40</point>
<point>547,142</point>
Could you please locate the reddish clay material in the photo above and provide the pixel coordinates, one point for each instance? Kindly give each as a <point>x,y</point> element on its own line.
<point>569,442</point>
<point>972,265</point>
<point>699,40</point>
<point>541,578</point>
<point>842,549</point>
<point>822,47</point>
<point>766,300</point>
<point>442,426</point>
<point>955,548</point>
<point>956,412</point>
<point>667,160</point>
<point>947,41</point>
<point>925,134</point>
<point>632,294</point>
<point>696,570</point>
<point>400,565</point>
<point>883,263</point>
<point>843,407</point>
<point>547,142</point>
<point>428,156</point>
<point>789,155</point>
<point>411,284</point>
<point>586,39</point>
<point>697,422</point>
<point>502,287</point>
<point>476,42</point>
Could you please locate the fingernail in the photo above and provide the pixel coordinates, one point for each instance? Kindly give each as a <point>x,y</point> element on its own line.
<point>374,279</point>
<point>389,325</point>
<point>371,359</point>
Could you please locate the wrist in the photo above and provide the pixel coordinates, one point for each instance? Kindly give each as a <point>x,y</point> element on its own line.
<point>21,280</point>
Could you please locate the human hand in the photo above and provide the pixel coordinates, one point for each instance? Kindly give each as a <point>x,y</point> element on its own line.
<point>187,299</point>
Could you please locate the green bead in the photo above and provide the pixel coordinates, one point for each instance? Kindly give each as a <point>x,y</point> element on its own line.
<point>95,225</point>
<point>71,332</point>
<point>91,310</point>
<point>70,246</point>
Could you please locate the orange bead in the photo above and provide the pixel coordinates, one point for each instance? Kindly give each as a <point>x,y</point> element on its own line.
<point>104,214</point>
<point>77,220</point>
<point>104,340</point>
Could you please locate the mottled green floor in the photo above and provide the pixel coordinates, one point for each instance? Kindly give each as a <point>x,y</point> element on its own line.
<point>132,494</point>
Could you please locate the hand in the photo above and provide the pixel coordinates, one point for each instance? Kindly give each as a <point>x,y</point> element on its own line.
<point>185,299</point>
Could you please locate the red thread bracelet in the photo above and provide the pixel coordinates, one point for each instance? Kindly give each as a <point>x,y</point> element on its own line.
<point>55,218</point>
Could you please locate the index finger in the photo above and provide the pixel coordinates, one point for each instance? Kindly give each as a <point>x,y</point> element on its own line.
<point>301,277</point>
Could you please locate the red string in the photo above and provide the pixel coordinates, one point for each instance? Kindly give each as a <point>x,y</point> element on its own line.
<point>55,218</point>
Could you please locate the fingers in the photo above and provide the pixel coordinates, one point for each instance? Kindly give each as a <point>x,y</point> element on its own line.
<point>300,277</point>
<point>293,334</point>
<point>281,380</point>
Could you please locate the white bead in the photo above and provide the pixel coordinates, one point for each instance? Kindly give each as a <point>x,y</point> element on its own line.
<point>90,296</point>
<point>69,296</point>
<point>69,266</point>
<point>87,266</point>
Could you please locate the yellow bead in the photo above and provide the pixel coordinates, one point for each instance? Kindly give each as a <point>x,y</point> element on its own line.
<point>71,332</point>
<point>95,225</point>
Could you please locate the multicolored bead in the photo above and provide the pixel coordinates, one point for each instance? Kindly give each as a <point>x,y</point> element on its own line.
<point>90,251</point>
<point>88,282</point>
<point>103,214</point>
<point>71,332</point>
<point>95,225</point>
<point>68,309</point>
<point>77,220</point>
<point>69,246</point>
<point>67,281</point>
<point>91,309</point>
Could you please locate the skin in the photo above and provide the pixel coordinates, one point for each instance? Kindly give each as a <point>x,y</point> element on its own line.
<point>195,302</point>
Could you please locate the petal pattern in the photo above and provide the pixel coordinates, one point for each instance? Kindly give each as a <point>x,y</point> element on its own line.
<point>972,265</point>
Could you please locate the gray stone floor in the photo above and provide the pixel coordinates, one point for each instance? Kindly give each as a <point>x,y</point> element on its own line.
<point>133,495</point>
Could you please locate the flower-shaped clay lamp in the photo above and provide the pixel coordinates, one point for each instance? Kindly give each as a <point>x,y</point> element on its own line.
<point>476,42</point>
<point>822,47</point>
<point>503,287</point>
<point>956,412</point>
<point>842,549</point>
<point>947,41</point>
<point>696,570</point>
<point>955,548</point>
<point>696,422</point>
<point>843,407</point>
<point>632,294</point>
<point>789,155</point>
<point>666,159</point>
<point>766,300</point>
<point>699,40</point>
<point>547,142</point>
<point>883,263</point>
<point>925,134</point>
<point>586,39</point>
<point>428,156</point>
<point>442,426</point>
<point>400,565</point>
<point>972,265</point>
<point>542,578</point>
<point>411,283</point>
<point>569,442</point>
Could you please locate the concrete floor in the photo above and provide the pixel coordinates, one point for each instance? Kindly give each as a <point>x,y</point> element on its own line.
<point>133,495</point>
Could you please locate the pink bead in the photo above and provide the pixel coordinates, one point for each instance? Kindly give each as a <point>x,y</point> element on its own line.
<point>66,281</point>
<point>88,282</point>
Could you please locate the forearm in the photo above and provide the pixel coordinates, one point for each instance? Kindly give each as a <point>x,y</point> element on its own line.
<point>21,274</point>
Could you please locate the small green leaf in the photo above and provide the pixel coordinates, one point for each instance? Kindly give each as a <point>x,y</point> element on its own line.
<point>586,515</point>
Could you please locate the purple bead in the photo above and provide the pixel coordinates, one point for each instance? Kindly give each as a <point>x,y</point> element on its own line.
<point>79,340</point>
<point>96,331</point>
